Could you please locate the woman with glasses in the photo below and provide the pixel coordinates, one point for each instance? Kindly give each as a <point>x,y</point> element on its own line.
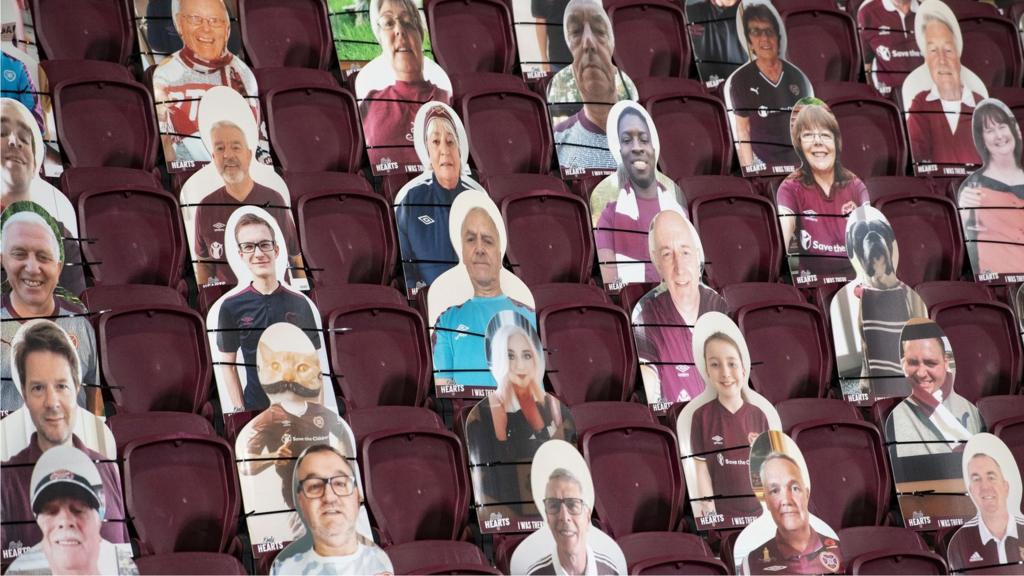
<point>813,201</point>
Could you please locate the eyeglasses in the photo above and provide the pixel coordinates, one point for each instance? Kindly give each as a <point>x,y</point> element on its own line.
<point>388,23</point>
<point>762,32</point>
<point>313,488</point>
<point>823,137</point>
<point>554,505</point>
<point>211,21</point>
<point>250,247</point>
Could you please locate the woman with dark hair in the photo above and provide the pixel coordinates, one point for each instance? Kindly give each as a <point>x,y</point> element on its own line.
<point>813,201</point>
<point>991,199</point>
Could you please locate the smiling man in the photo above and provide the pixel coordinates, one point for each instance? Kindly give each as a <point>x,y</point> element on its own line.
<point>994,535</point>
<point>50,379</point>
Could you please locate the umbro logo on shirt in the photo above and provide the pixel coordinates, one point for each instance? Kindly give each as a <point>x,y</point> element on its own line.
<point>426,219</point>
<point>975,557</point>
<point>717,440</point>
<point>462,329</point>
<point>220,226</point>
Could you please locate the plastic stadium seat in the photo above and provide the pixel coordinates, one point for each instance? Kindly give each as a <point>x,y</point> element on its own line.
<point>631,293</point>
<point>483,81</point>
<point>99,298</point>
<point>638,483</point>
<point>1011,431</point>
<point>941,291</point>
<point>508,130</point>
<point>995,409</point>
<point>894,561</point>
<point>189,563</point>
<point>590,349</point>
<point>748,293</point>
<point>106,123</point>
<point>669,553</point>
<point>556,294</point>
<point>594,414</point>
<point>694,133</point>
<point>435,463</point>
<point>142,376</point>
<point>330,298</point>
<point>652,38</point>
<point>927,228</point>
<point>857,540</point>
<point>846,462</point>
<point>347,234</point>
<point>791,349</point>
<point>380,354</point>
<point>874,142</point>
<point>740,236</point>
<point>824,44</point>
<point>315,128</point>
<point>368,421</point>
<point>289,33</point>
<point>992,45</point>
<point>57,71</point>
<point>128,428</point>
<point>661,85</point>
<point>84,29</point>
<point>796,411</point>
<point>270,79</point>
<point>550,239</point>
<point>472,36</point>
<point>161,477</point>
<point>694,187</point>
<point>439,557</point>
<point>132,226</point>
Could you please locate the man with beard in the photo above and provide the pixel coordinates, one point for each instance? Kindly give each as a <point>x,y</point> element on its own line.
<point>232,157</point>
<point>592,80</point>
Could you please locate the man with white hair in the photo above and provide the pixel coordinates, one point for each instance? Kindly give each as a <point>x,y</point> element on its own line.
<point>180,81</point>
<point>994,535</point>
<point>939,118</point>
<point>593,80</point>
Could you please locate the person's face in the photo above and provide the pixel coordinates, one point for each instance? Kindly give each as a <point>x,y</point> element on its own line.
<point>637,150</point>
<point>763,40</point>
<point>987,486</point>
<point>786,495</point>
<point>231,154</point>
<point>30,262</point>
<point>819,147</point>
<point>401,40</point>
<point>443,148</point>
<point>522,360</point>
<point>260,263</point>
<point>481,250</point>
<point>724,368</point>
<point>590,41</point>
<point>331,519</point>
<point>19,162</point>
<point>570,531</point>
<point>675,256</point>
<point>999,139</point>
<point>71,535</point>
<point>204,28</point>
<point>50,395</point>
<point>924,364</point>
<point>941,57</point>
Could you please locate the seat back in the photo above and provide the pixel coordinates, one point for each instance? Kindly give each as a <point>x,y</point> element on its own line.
<point>927,229</point>
<point>694,133</point>
<point>796,411</point>
<point>945,291</point>
<point>472,36</point>
<point>434,461</point>
<point>857,540</point>
<point>653,38</point>
<point>590,350</point>
<point>995,409</point>
<point>637,478</point>
<point>99,298</point>
<point>84,29</point>
<point>740,236</point>
<point>508,130</point>
<point>1011,432</point>
<point>546,295</point>
<point>315,129</point>
<point>825,43</point>
<point>874,142</point>
<point>433,557</point>
<point>747,293</point>
<point>161,477</point>
<point>190,563</point>
<point>899,562</point>
<point>595,414</point>
<point>289,33</point>
<point>128,428</point>
<point>550,239</point>
<point>992,49</point>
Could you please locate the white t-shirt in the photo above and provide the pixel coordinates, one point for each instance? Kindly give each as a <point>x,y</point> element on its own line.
<point>368,559</point>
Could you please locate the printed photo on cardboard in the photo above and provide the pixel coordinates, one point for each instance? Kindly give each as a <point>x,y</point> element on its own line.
<point>16,27</point>
<point>395,83</point>
<point>714,38</point>
<point>34,227</point>
<point>462,301</point>
<point>233,179</point>
<point>354,37</point>
<point>886,30</point>
<point>159,29</point>
<point>581,96</point>
<point>787,539</point>
<point>564,492</point>
<point>181,80</point>
<point>760,95</point>
<point>814,201</point>
<point>926,432</point>
<point>25,82</point>
<point>940,96</point>
<point>986,541</point>
<point>66,483</point>
<point>992,198</point>
<point>423,205</point>
<point>716,428</point>
<point>663,319</point>
<point>540,39</point>
<point>869,312</point>
<point>623,205</point>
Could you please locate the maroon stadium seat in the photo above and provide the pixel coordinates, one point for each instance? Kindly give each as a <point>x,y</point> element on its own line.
<point>99,298</point>
<point>1011,431</point>
<point>1012,97</point>
<point>127,428</point>
<point>84,29</point>
<point>927,228</point>
<point>330,298</point>
<point>189,563</point>
<point>549,238</point>
<point>941,291</point>
<point>748,293</point>
<point>694,187</point>
<point>741,238</point>
<point>368,421</point>
<point>508,130</point>
<point>796,411</point>
<point>594,414</point>
<point>694,133</point>
<point>631,293</point>
<point>992,45</point>
<point>823,41</point>
<point>314,128</point>
<point>894,561</point>
<point>286,33</point>
<point>669,553</point>
<point>546,295</point>
<point>652,39</point>
<point>857,540</point>
<point>439,557</point>
<point>874,142</point>
<point>995,409</point>
<point>472,36</point>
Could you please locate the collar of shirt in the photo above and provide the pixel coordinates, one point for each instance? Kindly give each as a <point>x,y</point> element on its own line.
<point>987,536</point>
<point>591,563</point>
<point>890,7</point>
<point>789,553</point>
<point>966,96</point>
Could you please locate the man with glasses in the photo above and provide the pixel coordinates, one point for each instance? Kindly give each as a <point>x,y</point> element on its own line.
<point>180,81</point>
<point>245,314</point>
<point>328,502</point>
<point>568,517</point>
